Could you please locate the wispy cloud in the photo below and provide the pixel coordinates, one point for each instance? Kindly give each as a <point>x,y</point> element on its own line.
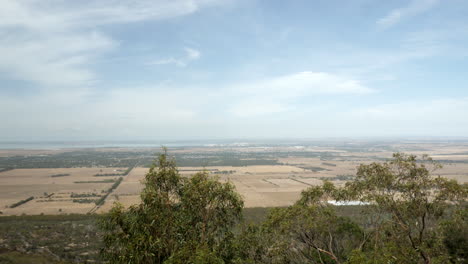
<point>278,94</point>
<point>52,60</point>
<point>165,105</point>
<point>190,55</point>
<point>263,71</point>
<point>257,108</point>
<point>52,42</point>
<point>62,15</point>
<point>415,7</point>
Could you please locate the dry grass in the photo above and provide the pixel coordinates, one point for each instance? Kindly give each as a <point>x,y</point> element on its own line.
<point>19,184</point>
<point>260,186</point>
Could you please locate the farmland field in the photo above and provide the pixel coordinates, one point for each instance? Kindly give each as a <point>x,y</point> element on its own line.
<point>266,175</point>
<point>55,191</point>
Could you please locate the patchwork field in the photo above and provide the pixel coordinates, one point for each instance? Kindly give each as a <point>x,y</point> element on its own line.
<point>264,176</point>
<point>64,190</point>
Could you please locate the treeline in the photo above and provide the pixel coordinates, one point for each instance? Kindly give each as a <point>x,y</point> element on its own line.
<point>340,177</point>
<point>128,159</point>
<point>107,174</point>
<point>312,168</point>
<point>407,216</point>
<point>60,175</point>
<point>114,186</point>
<point>83,195</point>
<point>22,202</point>
<point>75,159</point>
<point>125,173</point>
<point>84,200</point>
<point>100,181</point>
<point>222,161</point>
<point>5,169</point>
<point>223,172</point>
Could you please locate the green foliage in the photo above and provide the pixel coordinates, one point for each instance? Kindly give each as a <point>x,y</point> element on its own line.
<point>180,220</point>
<point>253,244</point>
<point>407,203</point>
<point>455,233</point>
<point>311,232</point>
<point>410,216</point>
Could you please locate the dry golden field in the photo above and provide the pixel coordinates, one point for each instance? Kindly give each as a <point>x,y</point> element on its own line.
<point>259,185</point>
<point>19,184</point>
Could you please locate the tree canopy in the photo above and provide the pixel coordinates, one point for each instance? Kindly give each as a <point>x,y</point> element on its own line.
<point>179,220</point>
<point>407,215</point>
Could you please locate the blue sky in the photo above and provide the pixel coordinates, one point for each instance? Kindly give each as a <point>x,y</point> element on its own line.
<point>181,69</point>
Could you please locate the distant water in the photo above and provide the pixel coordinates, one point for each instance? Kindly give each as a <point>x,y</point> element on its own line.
<point>251,143</point>
<point>94,144</point>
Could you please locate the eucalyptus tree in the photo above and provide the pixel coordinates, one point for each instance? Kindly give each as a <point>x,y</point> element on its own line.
<point>409,215</point>
<point>310,231</point>
<point>407,202</point>
<point>179,219</point>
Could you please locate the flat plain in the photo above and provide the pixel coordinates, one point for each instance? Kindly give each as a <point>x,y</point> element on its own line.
<point>264,175</point>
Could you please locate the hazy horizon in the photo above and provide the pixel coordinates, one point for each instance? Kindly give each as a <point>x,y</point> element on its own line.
<point>222,69</point>
<point>239,142</point>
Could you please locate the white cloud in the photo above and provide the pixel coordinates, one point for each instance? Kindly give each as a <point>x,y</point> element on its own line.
<point>175,112</point>
<point>414,8</point>
<point>62,15</point>
<point>53,42</point>
<point>165,109</point>
<point>190,55</point>
<point>278,94</point>
<point>52,60</point>
<point>177,62</point>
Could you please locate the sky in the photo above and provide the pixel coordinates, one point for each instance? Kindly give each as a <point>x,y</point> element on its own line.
<point>224,69</point>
